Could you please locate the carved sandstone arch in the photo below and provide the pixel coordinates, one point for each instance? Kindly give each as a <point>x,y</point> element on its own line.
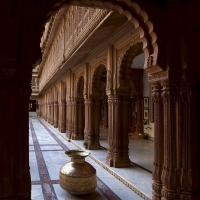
<point>124,64</point>
<point>80,86</point>
<point>96,78</point>
<point>92,111</point>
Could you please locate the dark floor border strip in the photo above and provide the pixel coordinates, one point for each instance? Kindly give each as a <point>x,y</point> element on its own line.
<point>105,190</point>
<point>47,188</point>
<point>49,145</point>
<point>40,182</point>
<point>47,150</point>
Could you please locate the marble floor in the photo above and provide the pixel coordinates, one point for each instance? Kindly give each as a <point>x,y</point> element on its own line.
<point>46,150</point>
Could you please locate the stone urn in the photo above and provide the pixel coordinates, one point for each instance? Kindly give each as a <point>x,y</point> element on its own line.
<point>78,176</point>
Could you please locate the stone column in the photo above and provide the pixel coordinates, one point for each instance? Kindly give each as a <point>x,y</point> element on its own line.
<point>139,125</point>
<point>21,165</point>
<point>118,140</point>
<point>48,112</point>
<point>105,106</point>
<point>52,113</point>
<point>43,110</point>
<point>6,139</point>
<point>169,173</point>
<point>158,142</point>
<point>189,109</point>
<point>68,118</point>
<point>81,118</point>
<point>78,120</point>
<point>55,120</point>
<point>46,108</point>
<point>73,118</point>
<point>59,115</point>
<point>62,116</point>
<point>91,132</point>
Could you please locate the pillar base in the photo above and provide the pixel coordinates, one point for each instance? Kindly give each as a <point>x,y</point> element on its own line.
<point>169,194</point>
<point>62,130</point>
<point>77,137</point>
<point>92,146</point>
<point>119,163</point>
<point>157,189</point>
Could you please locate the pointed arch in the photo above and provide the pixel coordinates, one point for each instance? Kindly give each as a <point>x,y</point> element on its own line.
<point>96,78</point>
<point>80,86</point>
<point>124,65</point>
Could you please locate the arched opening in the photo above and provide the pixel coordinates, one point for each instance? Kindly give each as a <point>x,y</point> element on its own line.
<point>94,109</point>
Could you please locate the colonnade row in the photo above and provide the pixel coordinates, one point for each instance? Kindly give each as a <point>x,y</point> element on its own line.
<point>80,118</point>
<point>175,105</point>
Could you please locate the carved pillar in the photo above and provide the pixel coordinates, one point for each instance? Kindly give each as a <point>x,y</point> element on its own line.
<point>105,106</point>
<point>73,114</point>
<point>62,116</point>
<point>55,120</point>
<point>23,181</point>
<point>46,108</point>
<point>158,141</point>
<point>188,140</point>
<point>6,157</point>
<point>169,173</point>
<point>68,118</point>
<point>48,112</point>
<point>118,114</point>
<point>139,125</point>
<point>78,119</point>
<point>92,118</point>
<point>52,113</point>
<point>81,118</point>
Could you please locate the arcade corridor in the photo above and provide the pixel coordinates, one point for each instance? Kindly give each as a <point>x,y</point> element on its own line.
<point>46,151</point>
